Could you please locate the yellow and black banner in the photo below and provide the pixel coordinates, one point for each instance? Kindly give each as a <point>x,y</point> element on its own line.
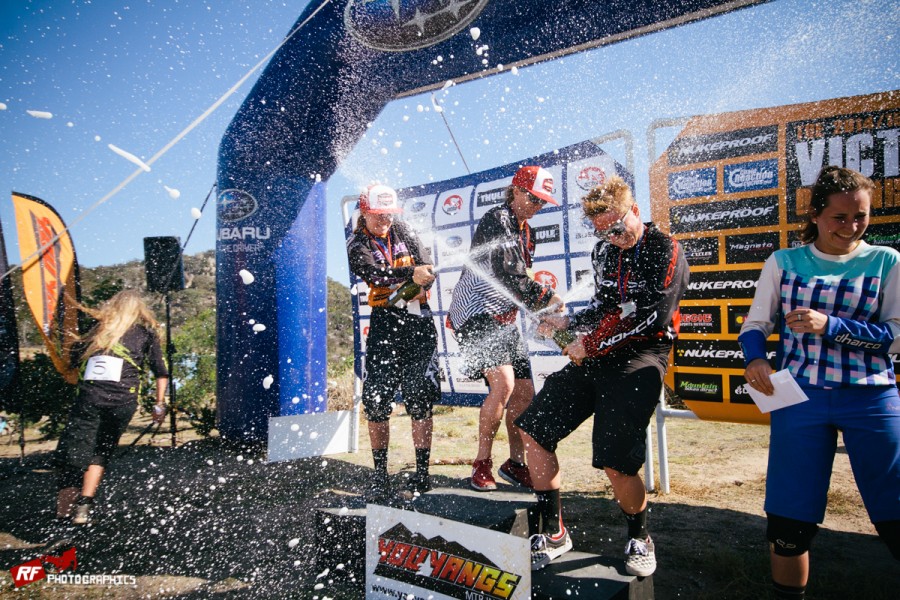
<point>733,188</point>
<point>49,278</point>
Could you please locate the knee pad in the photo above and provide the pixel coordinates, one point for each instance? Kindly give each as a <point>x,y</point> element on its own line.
<point>889,531</point>
<point>789,537</point>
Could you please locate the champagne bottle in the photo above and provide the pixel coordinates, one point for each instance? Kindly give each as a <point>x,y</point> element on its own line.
<point>403,294</point>
<point>563,337</point>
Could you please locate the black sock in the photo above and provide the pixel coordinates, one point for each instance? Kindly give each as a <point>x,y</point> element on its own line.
<point>423,456</point>
<point>548,507</point>
<point>787,592</point>
<point>89,500</point>
<point>637,525</point>
<point>380,458</point>
<point>513,463</point>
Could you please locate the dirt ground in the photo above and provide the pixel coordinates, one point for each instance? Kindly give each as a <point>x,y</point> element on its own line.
<point>205,520</point>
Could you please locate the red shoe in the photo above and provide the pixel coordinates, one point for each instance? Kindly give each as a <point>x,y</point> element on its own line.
<point>515,475</point>
<point>482,476</point>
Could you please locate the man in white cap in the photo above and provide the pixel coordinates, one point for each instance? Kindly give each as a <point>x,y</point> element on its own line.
<point>483,314</point>
<point>401,350</point>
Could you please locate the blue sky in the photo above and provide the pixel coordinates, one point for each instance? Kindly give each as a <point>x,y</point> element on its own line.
<point>134,74</point>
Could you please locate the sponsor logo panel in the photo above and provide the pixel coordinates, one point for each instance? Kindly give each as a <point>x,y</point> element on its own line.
<point>585,174</point>
<point>714,354</point>
<point>701,251</point>
<point>546,234</point>
<point>701,319</point>
<point>756,247</point>
<point>452,207</point>
<point>865,142</point>
<point>746,177</point>
<point>736,317</point>
<point>738,387</point>
<point>884,234</point>
<point>490,197</point>
<point>726,214</point>
<point>696,386</point>
<point>546,229</point>
<point>729,144</point>
<point>690,184</point>
<point>708,285</point>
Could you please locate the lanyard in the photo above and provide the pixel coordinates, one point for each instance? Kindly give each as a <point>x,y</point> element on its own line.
<point>623,281</point>
<point>385,248</point>
<point>524,237</point>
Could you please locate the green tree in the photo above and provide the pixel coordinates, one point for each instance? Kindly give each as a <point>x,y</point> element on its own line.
<point>41,391</point>
<point>195,370</point>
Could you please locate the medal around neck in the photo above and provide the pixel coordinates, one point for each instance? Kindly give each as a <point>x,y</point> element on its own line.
<point>627,309</point>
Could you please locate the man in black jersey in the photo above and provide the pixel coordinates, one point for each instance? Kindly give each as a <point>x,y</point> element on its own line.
<point>619,358</point>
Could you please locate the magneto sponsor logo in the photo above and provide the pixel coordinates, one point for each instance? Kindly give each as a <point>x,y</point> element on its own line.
<point>726,214</point>
<point>706,285</point>
<point>701,251</point>
<point>235,205</point>
<point>442,566</point>
<point>730,144</point>
<point>590,177</point>
<point>690,184</point>
<point>452,204</point>
<point>751,248</point>
<point>546,233</point>
<point>746,177</point>
<point>693,386</point>
<point>546,278</point>
<point>490,197</point>
<point>393,26</point>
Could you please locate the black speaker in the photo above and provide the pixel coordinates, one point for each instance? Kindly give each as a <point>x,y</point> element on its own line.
<point>162,262</point>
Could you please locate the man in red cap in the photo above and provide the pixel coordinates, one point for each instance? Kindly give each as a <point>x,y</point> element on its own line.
<point>401,352</point>
<point>496,281</point>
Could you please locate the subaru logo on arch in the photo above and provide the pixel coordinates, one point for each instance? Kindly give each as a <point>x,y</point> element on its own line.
<point>394,26</point>
<point>235,205</point>
<point>417,206</point>
<point>454,241</point>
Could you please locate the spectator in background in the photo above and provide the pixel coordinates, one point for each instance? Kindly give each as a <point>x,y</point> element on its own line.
<point>835,303</point>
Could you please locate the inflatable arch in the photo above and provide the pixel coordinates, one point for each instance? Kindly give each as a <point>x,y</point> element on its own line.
<point>311,105</point>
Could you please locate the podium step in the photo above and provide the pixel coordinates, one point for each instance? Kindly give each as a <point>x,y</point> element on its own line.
<point>341,540</point>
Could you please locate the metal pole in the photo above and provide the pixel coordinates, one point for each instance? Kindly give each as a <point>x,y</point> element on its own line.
<point>170,350</point>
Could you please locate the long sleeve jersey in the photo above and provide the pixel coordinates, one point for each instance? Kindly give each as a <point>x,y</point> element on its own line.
<point>502,251</point>
<point>385,264</point>
<point>651,277</point>
<point>138,349</point>
<point>860,293</point>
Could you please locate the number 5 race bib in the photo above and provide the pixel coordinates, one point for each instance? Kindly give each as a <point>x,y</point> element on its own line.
<point>103,368</point>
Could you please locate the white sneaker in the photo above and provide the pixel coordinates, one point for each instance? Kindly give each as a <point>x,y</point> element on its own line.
<point>640,560</point>
<point>544,549</point>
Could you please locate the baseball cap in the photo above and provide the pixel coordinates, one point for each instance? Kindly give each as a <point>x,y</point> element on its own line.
<point>536,180</point>
<point>379,199</point>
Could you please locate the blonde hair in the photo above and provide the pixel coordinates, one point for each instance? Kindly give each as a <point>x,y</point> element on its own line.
<point>116,316</point>
<point>611,195</point>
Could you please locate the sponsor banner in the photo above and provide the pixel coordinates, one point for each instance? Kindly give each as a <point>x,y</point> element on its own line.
<point>884,234</point>
<point>863,141</point>
<point>725,214</point>
<point>546,366</point>
<point>452,246</point>
<point>691,184</point>
<point>418,212</point>
<point>411,554</point>
<point>751,176</point>
<point>701,319</point>
<point>701,250</point>
<point>581,231</point>
<point>582,277</point>
<point>738,389</point>
<point>737,314</point>
<point>584,175</point>
<point>719,146</point>
<point>698,386</point>
<point>714,354</point>
<point>551,273</point>
<point>453,207</point>
<point>708,285</point>
<point>489,194</point>
<point>548,233</point>
<point>755,247</point>
<point>442,289</point>
<point>461,383</point>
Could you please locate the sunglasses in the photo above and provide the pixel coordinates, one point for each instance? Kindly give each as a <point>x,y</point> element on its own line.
<point>535,200</point>
<point>616,229</point>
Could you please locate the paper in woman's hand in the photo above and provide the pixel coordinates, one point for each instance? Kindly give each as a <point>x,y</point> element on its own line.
<point>787,393</point>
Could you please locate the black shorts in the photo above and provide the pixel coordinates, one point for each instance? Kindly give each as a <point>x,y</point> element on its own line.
<point>486,343</point>
<point>401,353</point>
<point>621,394</point>
<point>92,434</point>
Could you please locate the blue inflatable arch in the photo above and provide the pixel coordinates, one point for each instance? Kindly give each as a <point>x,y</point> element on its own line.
<point>308,109</point>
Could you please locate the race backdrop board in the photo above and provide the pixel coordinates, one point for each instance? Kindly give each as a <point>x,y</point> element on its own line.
<point>445,215</point>
<point>733,188</point>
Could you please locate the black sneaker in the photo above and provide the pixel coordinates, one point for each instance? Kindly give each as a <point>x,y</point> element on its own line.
<point>379,489</point>
<point>545,549</point>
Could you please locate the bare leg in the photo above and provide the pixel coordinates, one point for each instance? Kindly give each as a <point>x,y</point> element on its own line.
<point>379,435</point>
<point>92,478</point>
<point>501,381</point>
<point>790,570</point>
<point>543,465</point>
<point>628,490</point>
<point>421,433</point>
<point>522,393</point>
